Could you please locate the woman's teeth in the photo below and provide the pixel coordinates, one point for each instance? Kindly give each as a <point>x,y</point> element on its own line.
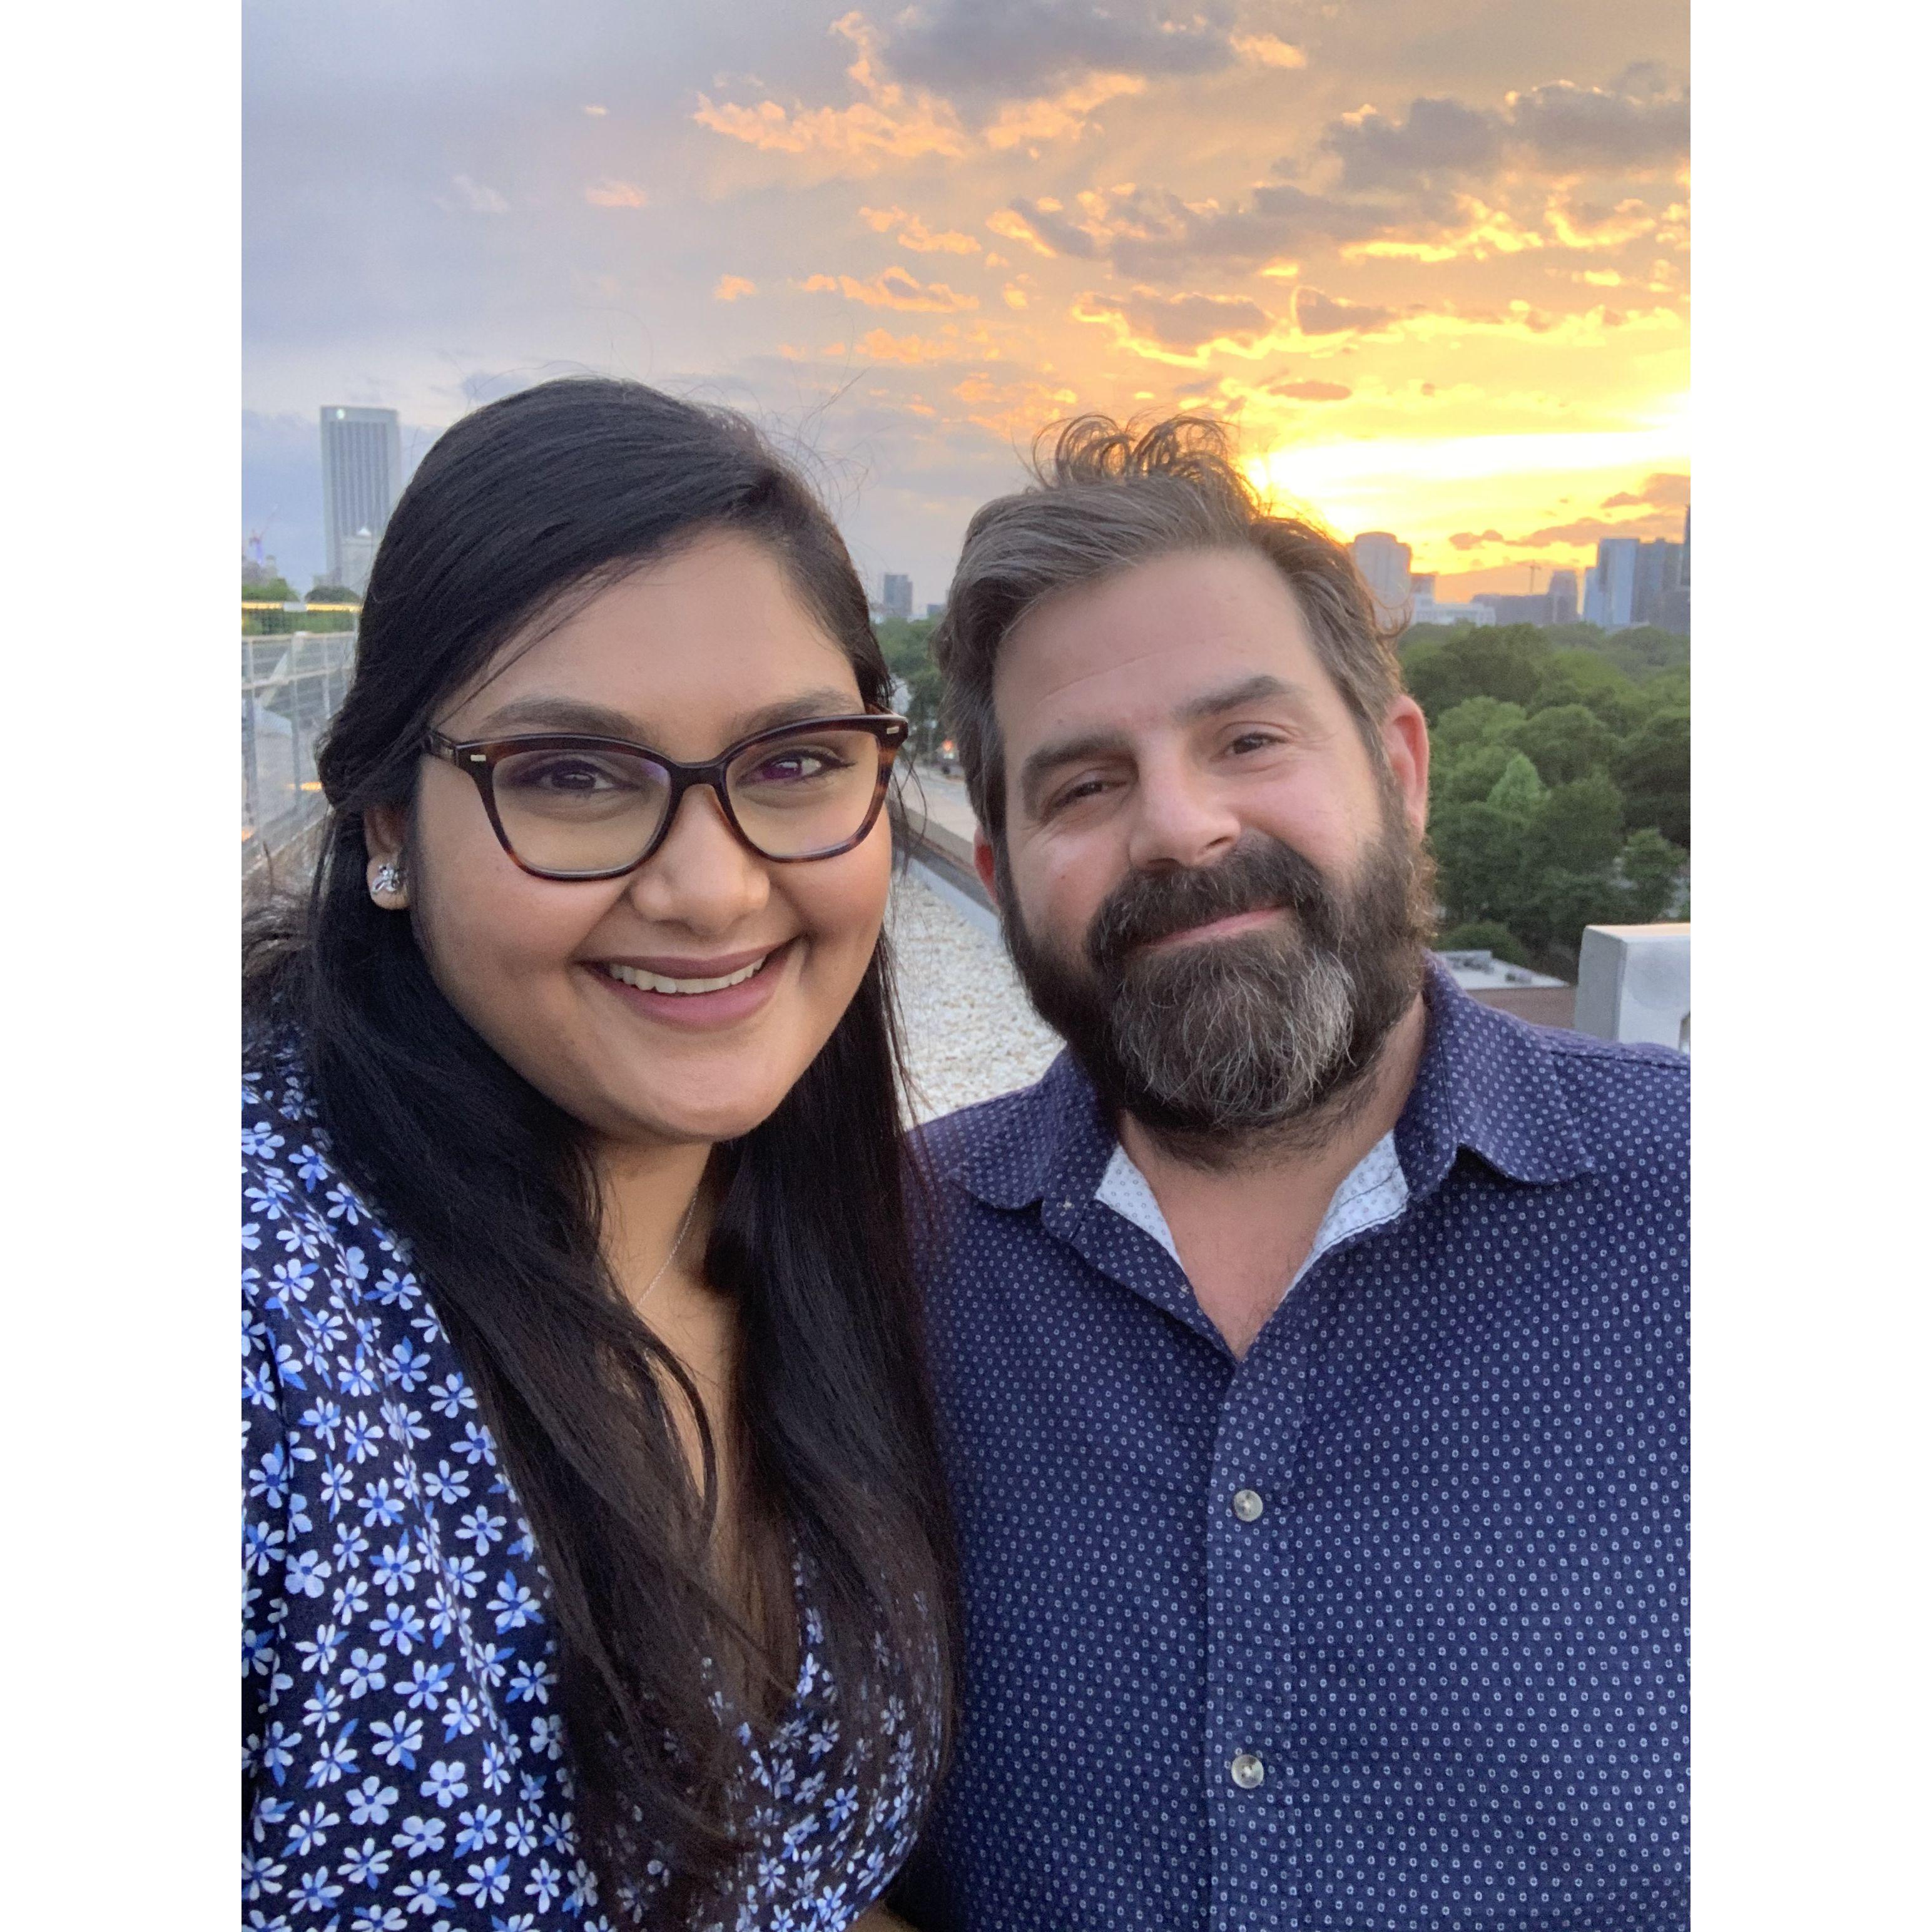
<point>656,982</point>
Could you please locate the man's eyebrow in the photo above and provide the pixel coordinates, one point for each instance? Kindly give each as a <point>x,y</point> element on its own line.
<point>573,716</point>
<point>1040,764</point>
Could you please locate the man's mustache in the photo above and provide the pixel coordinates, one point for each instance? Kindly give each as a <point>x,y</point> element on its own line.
<point>1259,875</point>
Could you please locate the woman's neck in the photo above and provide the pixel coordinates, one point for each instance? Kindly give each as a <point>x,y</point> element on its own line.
<point>650,1197</point>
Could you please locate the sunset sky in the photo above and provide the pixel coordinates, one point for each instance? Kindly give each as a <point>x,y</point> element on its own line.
<point>1430,255</point>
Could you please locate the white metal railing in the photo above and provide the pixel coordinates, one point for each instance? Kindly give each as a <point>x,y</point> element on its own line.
<point>291,686</point>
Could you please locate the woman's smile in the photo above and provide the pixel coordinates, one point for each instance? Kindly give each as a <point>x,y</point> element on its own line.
<point>698,993</point>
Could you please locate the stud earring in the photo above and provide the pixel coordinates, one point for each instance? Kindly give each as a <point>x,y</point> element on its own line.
<point>388,880</point>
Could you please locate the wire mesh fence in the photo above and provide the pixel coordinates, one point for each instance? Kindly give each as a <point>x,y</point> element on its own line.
<point>291,686</point>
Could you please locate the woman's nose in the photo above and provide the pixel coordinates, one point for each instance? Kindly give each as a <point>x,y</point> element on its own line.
<point>703,877</point>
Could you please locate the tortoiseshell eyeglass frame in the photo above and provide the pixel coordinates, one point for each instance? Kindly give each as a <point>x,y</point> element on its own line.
<point>479,757</point>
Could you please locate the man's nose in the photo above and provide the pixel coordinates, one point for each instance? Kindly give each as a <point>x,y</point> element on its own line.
<point>1180,818</point>
<point>703,877</point>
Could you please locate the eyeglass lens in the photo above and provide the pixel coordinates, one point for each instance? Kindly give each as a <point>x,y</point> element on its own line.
<point>592,810</point>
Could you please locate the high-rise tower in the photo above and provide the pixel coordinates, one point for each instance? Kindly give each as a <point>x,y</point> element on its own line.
<point>361,478</point>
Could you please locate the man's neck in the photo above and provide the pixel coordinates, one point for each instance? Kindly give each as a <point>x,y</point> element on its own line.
<point>1244,1228</point>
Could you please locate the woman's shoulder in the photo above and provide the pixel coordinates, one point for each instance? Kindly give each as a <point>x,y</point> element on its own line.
<point>307,1235</point>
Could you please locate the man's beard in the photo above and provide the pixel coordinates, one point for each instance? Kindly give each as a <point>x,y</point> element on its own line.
<point>1223,1048</point>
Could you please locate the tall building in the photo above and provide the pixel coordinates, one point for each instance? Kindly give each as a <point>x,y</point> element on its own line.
<point>361,478</point>
<point>935,611</point>
<point>1562,596</point>
<point>896,598</point>
<point>1384,564</point>
<point>1422,583</point>
<point>1610,590</point>
<point>1660,573</point>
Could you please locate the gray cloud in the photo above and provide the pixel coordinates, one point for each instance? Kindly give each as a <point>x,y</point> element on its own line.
<point>1186,321</point>
<point>1318,314</point>
<point>1568,128</point>
<point>1063,236</point>
<point>1438,136</point>
<point>1155,232</point>
<point>1632,125</point>
<point>1000,48</point>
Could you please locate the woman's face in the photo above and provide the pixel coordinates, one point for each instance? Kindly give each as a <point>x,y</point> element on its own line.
<point>687,655</point>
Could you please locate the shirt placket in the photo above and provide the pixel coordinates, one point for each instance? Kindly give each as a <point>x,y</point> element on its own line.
<point>1249,1762</point>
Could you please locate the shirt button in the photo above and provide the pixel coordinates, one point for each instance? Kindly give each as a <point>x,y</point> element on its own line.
<point>1247,1770</point>
<point>1247,1504</point>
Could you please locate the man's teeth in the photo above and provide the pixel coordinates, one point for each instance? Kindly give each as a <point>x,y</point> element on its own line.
<point>656,982</point>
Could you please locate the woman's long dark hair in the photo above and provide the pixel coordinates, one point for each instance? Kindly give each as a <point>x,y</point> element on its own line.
<point>548,492</point>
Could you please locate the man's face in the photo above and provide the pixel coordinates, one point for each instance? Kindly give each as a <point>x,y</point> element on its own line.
<point>1210,888</point>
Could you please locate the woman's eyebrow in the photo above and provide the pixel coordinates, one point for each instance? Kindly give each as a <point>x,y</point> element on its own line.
<point>574,715</point>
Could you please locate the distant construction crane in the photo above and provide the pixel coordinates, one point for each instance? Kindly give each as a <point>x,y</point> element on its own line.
<point>255,536</point>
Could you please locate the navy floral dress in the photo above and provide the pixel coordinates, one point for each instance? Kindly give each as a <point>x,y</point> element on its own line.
<point>404,1764</point>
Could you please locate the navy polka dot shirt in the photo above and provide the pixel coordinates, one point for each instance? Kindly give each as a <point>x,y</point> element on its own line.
<point>1381,1627</point>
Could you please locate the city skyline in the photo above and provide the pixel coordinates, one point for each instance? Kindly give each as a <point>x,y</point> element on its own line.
<point>1429,259</point>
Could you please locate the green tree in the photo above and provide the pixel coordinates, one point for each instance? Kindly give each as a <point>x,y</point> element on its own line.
<point>270,590</point>
<point>1485,935</point>
<point>925,707</point>
<point>1479,862</point>
<point>1579,827</point>
<point>1578,677</point>
<point>1565,743</point>
<point>1653,767</point>
<point>333,593</point>
<point>1518,793</point>
<point>1652,870</point>
<point>1505,660</point>
<point>905,643</point>
<point>1462,777</point>
<point>1476,721</point>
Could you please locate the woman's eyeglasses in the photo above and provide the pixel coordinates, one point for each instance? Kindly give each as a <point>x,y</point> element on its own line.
<point>566,807</point>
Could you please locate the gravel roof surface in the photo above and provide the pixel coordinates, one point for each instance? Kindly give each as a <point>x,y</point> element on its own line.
<point>970,1031</point>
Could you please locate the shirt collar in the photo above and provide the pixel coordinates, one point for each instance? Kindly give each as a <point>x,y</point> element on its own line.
<point>1485,1083</point>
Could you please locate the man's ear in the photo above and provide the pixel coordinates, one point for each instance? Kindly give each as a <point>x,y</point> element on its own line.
<point>983,862</point>
<point>1405,744</point>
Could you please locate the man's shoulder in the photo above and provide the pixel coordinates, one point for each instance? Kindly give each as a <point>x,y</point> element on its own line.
<point>999,1147</point>
<point>1631,1104</point>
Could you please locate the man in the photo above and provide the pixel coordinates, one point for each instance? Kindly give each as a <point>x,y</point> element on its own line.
<point>1310,1341</point>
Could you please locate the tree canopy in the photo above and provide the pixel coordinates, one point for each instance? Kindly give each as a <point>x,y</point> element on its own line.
<point>1559,780</point>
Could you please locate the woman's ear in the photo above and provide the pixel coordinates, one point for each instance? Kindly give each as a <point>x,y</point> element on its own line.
<point>382,829</point>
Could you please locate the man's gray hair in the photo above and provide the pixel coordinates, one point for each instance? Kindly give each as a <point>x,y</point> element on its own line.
<point>1110,496</point>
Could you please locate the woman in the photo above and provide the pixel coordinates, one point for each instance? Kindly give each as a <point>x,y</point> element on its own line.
<point>596,1570</point>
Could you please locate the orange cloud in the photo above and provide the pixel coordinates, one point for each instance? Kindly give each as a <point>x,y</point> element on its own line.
<point>914,234</point>
<point>880,346</point>
<point>890,121</point>
<point>1265,50</point>
<point>895,288</point>
<point>731,287</point>
<point>1055,117</point>
<point>1015,227</point>
<point>608,193</point>
<point>1014,412</point>
<point>885,124</point>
